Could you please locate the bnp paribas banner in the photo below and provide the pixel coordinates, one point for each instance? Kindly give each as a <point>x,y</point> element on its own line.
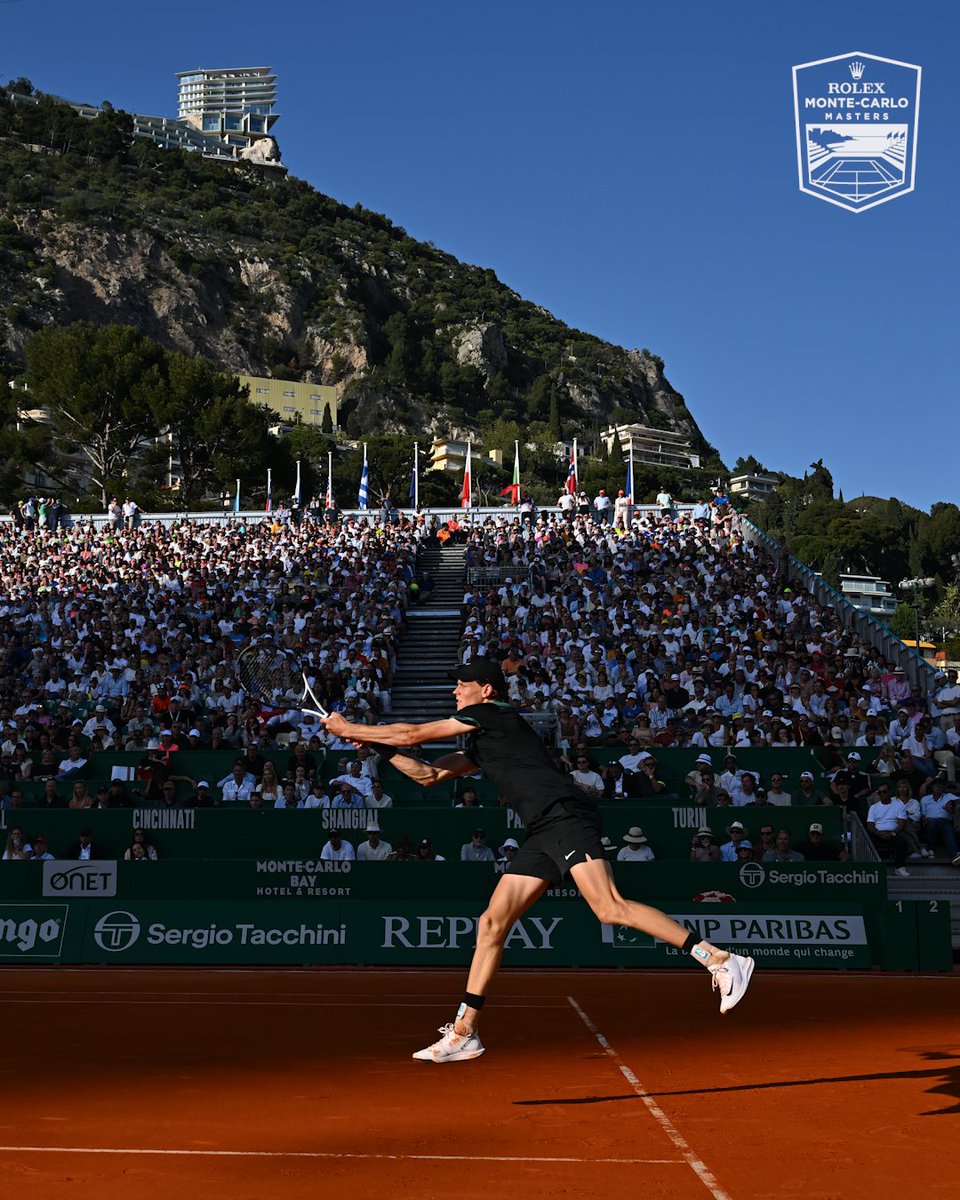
<point>834,936</point>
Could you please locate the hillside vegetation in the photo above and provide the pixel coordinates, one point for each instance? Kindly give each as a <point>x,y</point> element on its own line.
<point>261,273</point>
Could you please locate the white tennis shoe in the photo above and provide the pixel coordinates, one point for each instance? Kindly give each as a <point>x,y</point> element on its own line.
<point>732,978</point>
<point>452,1047</point>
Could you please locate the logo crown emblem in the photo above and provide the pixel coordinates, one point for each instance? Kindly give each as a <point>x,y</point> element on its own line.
<point>857,69</point>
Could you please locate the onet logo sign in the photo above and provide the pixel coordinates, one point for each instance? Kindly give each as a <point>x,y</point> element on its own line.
<point>856,125</point>
<point>116,931</point>
<point>752,875</point>
<point>80,879</point>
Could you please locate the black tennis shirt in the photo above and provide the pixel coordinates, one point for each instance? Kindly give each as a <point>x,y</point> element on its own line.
<point>508,751</point>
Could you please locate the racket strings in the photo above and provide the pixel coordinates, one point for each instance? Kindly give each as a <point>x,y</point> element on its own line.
<point>268,671</point>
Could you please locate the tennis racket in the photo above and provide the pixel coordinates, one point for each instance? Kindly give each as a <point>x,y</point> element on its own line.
<point>272,674</point>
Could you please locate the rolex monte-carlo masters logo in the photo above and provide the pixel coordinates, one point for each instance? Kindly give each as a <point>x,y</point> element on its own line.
<point>856,120</point>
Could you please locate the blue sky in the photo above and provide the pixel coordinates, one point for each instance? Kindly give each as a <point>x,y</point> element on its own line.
<point>631,167</point>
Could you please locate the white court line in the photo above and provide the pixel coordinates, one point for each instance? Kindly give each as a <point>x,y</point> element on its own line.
<point>498,1158</point>
<point>699,1167</point>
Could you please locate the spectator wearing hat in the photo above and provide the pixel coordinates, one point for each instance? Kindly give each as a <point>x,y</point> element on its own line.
<point>202,796</point>
<point>477,850</point>
<point>704,848</point>
<point>507,852</point>
<point>737,833</point>
<point>857,782</point>
<point>808,792</point>
<point>816,847</point>
<point>609,849</point>
<point>337,848</point>
<point>426,852</point>
<point>374,848</point>
<point>41,848</point>
<point>636,848</point>
<point>604,506</point>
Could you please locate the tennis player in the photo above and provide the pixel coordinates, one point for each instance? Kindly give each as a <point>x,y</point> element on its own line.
<point>563,837</point>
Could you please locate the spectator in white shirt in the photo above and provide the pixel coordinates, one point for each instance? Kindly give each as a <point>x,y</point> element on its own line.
<point>238,786</point>
<point>337,849</point>
<point>374,849</point>
<point>636,848</point>
<point>936,808</point>
<point>886,818</point>
<point>585,777</point>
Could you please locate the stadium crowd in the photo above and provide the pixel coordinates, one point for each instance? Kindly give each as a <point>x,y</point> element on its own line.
<point>664,630</point>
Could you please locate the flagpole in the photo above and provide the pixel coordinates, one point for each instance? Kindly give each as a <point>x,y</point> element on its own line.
<point>516,472</point>
<point>236,501</point>
<point>416,475</point>
<point>269,490</point>
<point>296,490</point>
<point>329,479</point>
<point>576,467</point>
<point>632,483</point>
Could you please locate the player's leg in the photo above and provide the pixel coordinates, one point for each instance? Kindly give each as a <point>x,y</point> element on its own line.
<point>731,972</point>
<point>512,896</point>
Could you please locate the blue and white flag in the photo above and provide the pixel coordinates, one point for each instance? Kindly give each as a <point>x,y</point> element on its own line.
<point>364,482</point>
<point>296,490</point>
<point>236,499</point>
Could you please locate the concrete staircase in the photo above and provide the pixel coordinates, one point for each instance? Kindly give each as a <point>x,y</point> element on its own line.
<point>429,648</point>
<point>932,879</point>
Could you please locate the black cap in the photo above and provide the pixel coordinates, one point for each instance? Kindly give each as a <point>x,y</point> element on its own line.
<point>482,671</point>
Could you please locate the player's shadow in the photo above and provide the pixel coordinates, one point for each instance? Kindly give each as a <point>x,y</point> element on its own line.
<point>949,1085</point>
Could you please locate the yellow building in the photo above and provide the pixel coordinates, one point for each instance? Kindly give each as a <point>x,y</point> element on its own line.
<point>291,401</point>
<point>448,454</point>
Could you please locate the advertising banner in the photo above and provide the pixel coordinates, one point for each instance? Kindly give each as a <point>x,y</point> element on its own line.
<point>210,934</point>
<point>800,937</point>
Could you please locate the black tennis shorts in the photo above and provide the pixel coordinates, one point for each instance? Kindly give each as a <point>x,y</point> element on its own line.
<point>570,835</point>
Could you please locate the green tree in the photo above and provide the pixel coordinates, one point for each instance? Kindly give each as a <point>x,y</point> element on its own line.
<point>748,466</point>
<point>210,425</point>
<point>101,386</point>
<point>24,444</point>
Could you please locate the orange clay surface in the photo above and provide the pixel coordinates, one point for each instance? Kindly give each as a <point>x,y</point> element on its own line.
<point>299,1084</point>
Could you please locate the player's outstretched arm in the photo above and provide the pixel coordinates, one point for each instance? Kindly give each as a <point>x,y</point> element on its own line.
<point>402,735</point>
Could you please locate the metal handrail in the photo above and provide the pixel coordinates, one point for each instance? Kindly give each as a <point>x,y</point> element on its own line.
<point>917,670</point>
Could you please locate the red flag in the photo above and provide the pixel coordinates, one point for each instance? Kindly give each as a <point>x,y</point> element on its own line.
<point>571,484</point>
<point>466,492</point>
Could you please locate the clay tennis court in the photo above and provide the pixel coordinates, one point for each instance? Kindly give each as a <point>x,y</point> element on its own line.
<point>182,1083</point>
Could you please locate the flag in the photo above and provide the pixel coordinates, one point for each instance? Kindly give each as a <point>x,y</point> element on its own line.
<point>466,492</point>
<point>328,498</point>
<point>296,490</point>
<point>364,482</point>
<point>571,484</point>
<point>628,490</point>
<point>269,490</point>
<point>236,499</point>
<point>414,494</point>
<point>513,489</point>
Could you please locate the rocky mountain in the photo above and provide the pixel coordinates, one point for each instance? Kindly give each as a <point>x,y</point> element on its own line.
<point>265,275</point>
